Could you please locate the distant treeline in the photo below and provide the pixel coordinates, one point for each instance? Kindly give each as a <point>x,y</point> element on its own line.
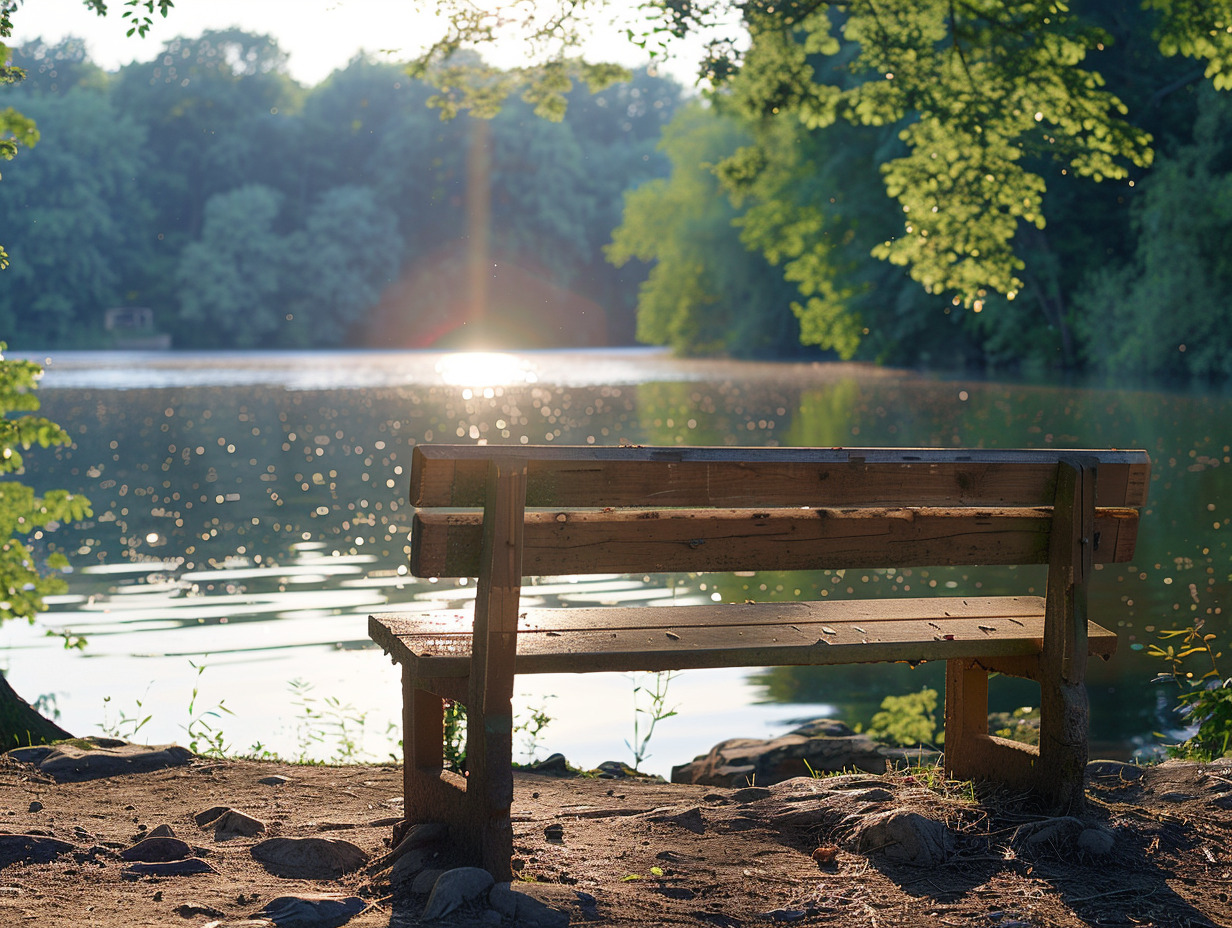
<point>247,211</point>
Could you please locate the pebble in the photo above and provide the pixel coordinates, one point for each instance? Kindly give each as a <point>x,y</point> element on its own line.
<point>233,824</point>
<point>275,780</point>
<point>32,848</point>
<point>309,858</point>
<point>526,911</point>
<point>155,850</point>
<point>36,806</point>
<point>189,867</point>
<point>163,831</point>
<point>455,888</point>
<point>308,911</point>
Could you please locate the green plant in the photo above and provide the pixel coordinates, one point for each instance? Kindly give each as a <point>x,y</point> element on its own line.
<point>455,735</point>
<point>1205,695</point>
<point>328,719</point>
<point>654,711</point>
<point>906,720</point>
<point>203,735</point>
<point>530,727</point>
<point>126,726</point>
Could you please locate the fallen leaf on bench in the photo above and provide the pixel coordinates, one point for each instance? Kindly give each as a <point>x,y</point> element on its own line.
<point>672,635</point>
<point>827,630</point>
<point>987,628</point>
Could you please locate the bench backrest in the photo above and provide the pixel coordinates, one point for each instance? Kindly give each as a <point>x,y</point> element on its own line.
<point>632,510</point>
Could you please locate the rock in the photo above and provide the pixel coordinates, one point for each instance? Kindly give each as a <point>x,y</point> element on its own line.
<point>35,849</point>
<point>36,806</point>
<point>525,911</point>
<point>554,832</point>
<point>94,758</point>
<point>615,770</point>
<point>903,837</point>
<point>1048,833</point>
<point>823,728</point>
<point>1096,841</point>
<point>424,881</point>
<point>455,888</point>
<point>210,815</point>
<point>189,867</point>
<point>421,834</point>
<point>193,909</point>
<point>326,910</point>
<point>739,762</point>
<point>309,858</point>
<point>555,765</point>
<point>155,850</point>
<point>233,824</point>
<point>412,864</point>
<point>275,780</point>
<point>163,831</point>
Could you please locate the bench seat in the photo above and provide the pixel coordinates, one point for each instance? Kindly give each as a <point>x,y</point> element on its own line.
<point>438,644</point>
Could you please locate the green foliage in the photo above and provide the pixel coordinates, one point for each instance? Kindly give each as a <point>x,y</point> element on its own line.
<point>1205,695</point>
<point>23,512</point>
<point>906,720</point>
<point>1162,311</point>
<point>706,292</point>
<point>649,709</point>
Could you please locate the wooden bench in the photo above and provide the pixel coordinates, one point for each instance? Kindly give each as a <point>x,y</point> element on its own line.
<point>504,513</point>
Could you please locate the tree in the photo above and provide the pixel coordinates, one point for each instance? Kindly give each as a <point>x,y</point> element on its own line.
<point>25,513</point>
<point>706,292</point>
<point>231,280</point>
<point>984,96</point>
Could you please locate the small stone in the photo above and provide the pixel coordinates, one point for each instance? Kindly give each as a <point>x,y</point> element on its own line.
<point>209,815</point>
<point>409,866</point>
<point>1096,841</point>
<point>554,831</point>
<point>233,824</point>
<point>307,911</point>
<point>424,881</point>
<point>35,849</point>
<point>554,765</point>
<point>904,837</point>
<point>193,909</point>
<point>526,911</point>
<point>1055,833</point>
<point>189,867</point>
<point>455,888</point>
<point>785,915</point>
<point>309,858</point>
<point>36,806</point>
<point>154,850</point>
<point>163,831</point>
<point>275,780</point>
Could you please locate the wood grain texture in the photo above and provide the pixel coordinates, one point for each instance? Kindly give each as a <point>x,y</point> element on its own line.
<point>742,635</point>
<point>647,540</point>
<point>571,476</point>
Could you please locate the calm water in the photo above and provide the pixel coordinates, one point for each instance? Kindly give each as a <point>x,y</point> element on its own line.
<point>250,513</point>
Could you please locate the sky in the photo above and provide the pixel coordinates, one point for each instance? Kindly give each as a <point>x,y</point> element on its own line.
<point>318,35</point>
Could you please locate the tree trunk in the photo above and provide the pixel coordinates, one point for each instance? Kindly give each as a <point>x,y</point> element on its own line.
<point>20,725</point>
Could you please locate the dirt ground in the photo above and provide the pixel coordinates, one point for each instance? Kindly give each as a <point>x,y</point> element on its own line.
<point>634,853</point>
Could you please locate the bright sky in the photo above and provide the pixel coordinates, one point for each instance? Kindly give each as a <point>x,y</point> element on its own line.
<point>318,35</point>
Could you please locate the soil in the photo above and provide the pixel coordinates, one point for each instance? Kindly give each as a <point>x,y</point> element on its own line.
<point>632,852</point>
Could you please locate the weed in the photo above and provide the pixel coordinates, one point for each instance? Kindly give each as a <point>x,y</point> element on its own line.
<point>126,726</point>
<point>1205,698</point>
<point>328,719</point>
<point>655,710</point>
<point>203,736</point>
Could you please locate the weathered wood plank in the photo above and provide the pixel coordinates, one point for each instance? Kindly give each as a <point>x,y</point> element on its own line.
<point>624,541</point>
<point>570,476</point>
<point>620,643</point>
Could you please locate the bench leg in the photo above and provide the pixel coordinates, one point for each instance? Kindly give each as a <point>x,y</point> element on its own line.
<point>430,793</point>
<point>970,751</point>
<point>1064,727</point>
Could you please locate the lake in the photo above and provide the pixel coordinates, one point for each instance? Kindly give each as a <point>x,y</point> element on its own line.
<point>250,511</point>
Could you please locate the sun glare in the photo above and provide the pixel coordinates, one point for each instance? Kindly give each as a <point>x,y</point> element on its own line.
<point>485,369</point>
